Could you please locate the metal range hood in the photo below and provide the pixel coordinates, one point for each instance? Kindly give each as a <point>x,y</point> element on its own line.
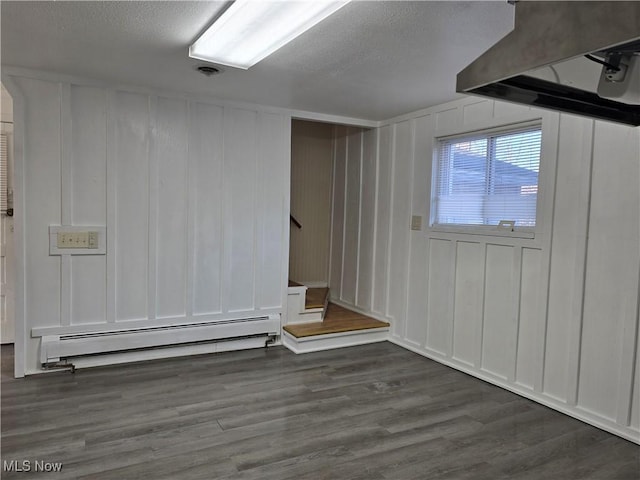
<point>548,33</point>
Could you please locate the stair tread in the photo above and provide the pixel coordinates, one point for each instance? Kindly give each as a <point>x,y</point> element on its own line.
<point>315,297</point>
<point>336,320</point>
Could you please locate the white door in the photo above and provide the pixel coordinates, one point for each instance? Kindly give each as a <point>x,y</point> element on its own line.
<point>7,327</point>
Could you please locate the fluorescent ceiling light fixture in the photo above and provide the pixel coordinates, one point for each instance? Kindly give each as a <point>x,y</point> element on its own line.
<point>250,30</point>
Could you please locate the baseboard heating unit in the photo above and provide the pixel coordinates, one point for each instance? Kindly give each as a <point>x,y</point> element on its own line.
<point>55,349</point>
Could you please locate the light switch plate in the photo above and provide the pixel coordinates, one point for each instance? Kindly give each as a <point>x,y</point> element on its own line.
<point>77,240</point>
<point>416,222</point>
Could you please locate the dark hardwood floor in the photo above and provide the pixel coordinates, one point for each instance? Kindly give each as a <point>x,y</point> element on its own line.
<point>369,412</point>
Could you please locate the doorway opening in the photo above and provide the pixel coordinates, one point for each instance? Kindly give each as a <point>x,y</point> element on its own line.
<point>7,264</point>
<point>311,183</point>
<point>317,316</point>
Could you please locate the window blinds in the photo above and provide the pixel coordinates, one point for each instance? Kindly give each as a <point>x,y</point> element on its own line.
<point>4,186</point>
<point>483,179</point>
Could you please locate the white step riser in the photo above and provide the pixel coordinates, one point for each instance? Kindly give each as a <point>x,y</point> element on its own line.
<point>296,312</point>
<point>331,341</point>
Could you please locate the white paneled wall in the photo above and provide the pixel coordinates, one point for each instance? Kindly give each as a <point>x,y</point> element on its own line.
<point>194,197</point>
<point>554,318</point>
<point>353,209</point>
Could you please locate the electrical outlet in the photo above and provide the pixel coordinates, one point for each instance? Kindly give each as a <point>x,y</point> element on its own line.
<point>77,240</point>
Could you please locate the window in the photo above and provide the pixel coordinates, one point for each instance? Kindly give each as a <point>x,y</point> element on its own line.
<point>486,178</point>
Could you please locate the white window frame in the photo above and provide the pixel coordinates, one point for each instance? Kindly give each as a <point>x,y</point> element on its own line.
<point>526,232</point>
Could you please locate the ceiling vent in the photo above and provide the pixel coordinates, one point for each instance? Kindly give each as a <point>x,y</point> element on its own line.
<point>208,70</point>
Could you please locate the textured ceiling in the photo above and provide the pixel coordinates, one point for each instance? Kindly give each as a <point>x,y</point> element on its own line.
<point>370,60</point>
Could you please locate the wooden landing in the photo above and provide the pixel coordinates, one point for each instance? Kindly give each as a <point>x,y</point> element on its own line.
<point>336,320</point>
<point>316,297</point>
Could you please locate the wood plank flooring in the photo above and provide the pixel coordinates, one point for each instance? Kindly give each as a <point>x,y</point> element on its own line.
<point>336,320</point>
<point>371,412</point>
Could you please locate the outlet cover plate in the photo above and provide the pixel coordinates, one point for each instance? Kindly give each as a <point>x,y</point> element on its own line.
<point>96,237</point>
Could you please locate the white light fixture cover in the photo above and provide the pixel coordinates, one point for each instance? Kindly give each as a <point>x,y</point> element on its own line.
<point>250,30</point>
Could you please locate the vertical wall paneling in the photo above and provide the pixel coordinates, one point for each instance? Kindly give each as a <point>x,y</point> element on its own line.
<point>468,301</point>
<point>132,204</point>
<point>189,253</point>
<point>258,246</point>
<point>66,205</point>
<point>352,215</point>
<point>400,223</point>
<point>516,296</point>
<point>42,278</point>
<point>338,209</point>
<point>547,180</point>
<point>383,218</point>
<point>530,314</point>
<point>389,260</point>
<point>207,174</point>
<point>153,187</point>
<point>568,252</point>
<point>440,295</point>
<point>367,220</point>
<point>499,327</point>
<point>417,285</point>
<point>170,150</point>
<point>611,267</point>
<point>188,207</point>
<point>111,207</point>
<point>87,156</point>
<point>240,190</point>
<point>270,203</point>
<point>285,148</point>
<point>36,108</point>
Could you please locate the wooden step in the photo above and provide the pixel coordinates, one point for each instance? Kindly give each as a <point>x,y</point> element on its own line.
<point>316,298</point>
<point>336,320</point>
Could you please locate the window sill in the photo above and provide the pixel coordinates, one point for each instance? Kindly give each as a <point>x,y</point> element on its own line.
<point>484,230</point>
